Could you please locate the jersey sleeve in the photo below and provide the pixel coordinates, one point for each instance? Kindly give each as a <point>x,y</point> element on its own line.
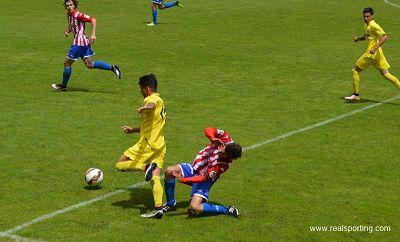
<point>83,17</point>
<point>150,99</point>
<point>378,30</point>
<point>212,133</point>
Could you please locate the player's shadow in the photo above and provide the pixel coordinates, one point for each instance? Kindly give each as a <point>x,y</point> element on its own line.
<point>140,198</point>
<point>161,23</point>
<point>77,89</point>
<point>182,210</point>
<point>365,100</point>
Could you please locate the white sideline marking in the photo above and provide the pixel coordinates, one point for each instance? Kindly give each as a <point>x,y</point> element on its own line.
<point>388,2</point>
<point>70,208</point>
<point>18,238</point>
<point>107,195</point>
<point>318,124</point>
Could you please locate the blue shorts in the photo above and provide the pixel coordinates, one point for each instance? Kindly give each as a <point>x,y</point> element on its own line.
<point>77,51</point>
<point>158,1</point>
<point>198,189</point>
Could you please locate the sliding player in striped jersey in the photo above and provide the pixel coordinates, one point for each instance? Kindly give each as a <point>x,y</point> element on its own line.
<point>207,167</point>
<point>80,47</point>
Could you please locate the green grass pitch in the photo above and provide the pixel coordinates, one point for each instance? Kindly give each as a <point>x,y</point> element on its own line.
<point>258,69</point>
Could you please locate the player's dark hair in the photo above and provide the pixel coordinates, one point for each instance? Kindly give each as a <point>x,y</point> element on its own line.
<point>368,10</point>
<point>233,150</point>
<point>149,80</point>
<point>74,1</point>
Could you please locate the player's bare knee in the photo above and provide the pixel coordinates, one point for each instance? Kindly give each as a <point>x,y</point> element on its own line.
<point>196,207</point>
<point>89,64</point>
<point>171,170</point>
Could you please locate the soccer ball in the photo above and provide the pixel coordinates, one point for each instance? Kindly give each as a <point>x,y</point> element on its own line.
<point>94,176</point>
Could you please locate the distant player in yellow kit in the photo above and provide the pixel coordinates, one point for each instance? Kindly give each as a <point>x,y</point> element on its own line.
<point>375,38</point>
<point>149,152</point>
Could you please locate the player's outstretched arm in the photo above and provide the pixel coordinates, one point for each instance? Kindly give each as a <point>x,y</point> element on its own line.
<point>147,106</point>
<point>194,179</point>
<point>129,130</point>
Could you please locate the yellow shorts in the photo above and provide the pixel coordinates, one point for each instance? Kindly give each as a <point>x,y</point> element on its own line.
<point>140,155</point>
<point>377,61</point>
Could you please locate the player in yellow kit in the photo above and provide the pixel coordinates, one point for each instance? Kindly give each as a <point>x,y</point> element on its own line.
<point>375,38</point>
<point>149,152</point>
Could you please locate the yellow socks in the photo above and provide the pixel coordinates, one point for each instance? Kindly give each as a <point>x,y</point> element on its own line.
<point>157,191</point>
<point>393,79</point>
<point>356,81</point>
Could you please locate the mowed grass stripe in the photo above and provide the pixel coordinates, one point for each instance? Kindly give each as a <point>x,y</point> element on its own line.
<point>107,195</point>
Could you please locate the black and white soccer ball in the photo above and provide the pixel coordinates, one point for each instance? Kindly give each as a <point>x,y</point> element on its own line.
<point>94,176</point>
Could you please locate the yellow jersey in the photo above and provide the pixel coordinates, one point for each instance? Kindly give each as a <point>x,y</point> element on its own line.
<point>373,32</point>
<point>152,122</point>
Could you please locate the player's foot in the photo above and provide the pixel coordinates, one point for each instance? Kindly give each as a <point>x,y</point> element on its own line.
<point>116,70</point>
<point>149,171</point>
<point>352,98</point>
<point>179,4</point>
<point>168,208</point>
<point>192,212</point>
<point>232,211</point>
<point>151,24</point>
<point>59,87</point>
<point>156,213</point>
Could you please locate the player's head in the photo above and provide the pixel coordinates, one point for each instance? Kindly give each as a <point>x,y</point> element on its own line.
<point>71,5</point>
<point>368,14</point>
<point>233,151</point>
<point>148,84</point>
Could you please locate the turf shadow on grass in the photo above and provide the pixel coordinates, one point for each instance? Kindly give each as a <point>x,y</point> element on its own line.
<point>140,198</point>
<point>92,187</point>
<point>76,89</point>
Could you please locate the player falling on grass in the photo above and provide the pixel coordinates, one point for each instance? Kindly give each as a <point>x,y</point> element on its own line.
<point>375,38</point>
<point>205,170</point>
<point>161,5</point>
<point>80,47</point>
<point>149,152</point>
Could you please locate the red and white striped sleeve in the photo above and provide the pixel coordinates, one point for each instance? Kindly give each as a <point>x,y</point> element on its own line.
<point>83,17</point>
<point>212,133</point>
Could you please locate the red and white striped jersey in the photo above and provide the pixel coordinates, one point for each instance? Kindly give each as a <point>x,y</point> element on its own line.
<point>76,25</point>
<point>211,160</point>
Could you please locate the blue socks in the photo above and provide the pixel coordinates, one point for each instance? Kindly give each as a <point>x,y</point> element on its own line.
<point>154,13</point>
<point>212,208</point>
<point>170,4</point>
<point>101,65</point>
<point>169,186</point>
<point>66,75</point>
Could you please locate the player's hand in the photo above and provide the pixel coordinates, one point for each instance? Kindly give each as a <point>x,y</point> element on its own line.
<point>66,33</point>
<point>217,142</point>
<point>140,110</point>
<point>177,175</point>
<point>372,51</point>
<point>92,38</point>
<point>127,129</point>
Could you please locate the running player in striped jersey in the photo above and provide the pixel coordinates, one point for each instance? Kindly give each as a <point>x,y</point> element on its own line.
<point>207,167</point>
<point>80,47</point>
